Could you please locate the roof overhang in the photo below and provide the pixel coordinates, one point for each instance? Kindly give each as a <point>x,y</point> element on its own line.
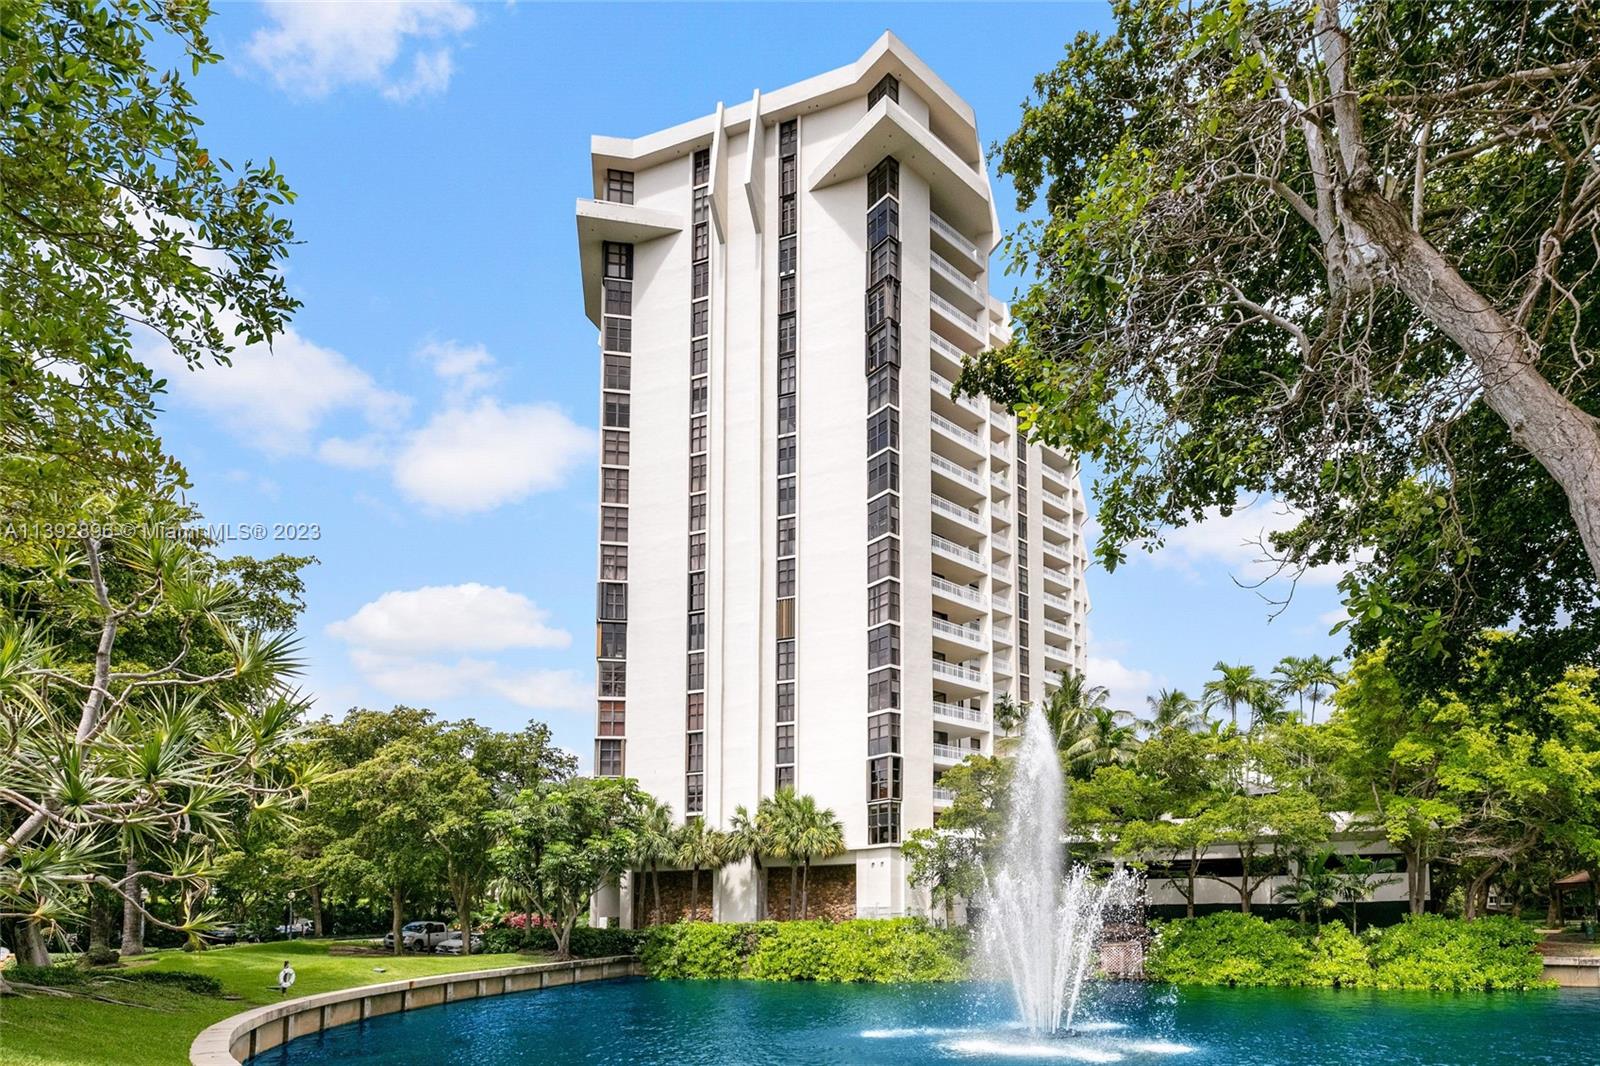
<point>600,221</point>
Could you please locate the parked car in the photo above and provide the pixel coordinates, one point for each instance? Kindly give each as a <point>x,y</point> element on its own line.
<point>451,945</point>
<point>418,936</point>
<point>223,934</point>
<point>298,927</point>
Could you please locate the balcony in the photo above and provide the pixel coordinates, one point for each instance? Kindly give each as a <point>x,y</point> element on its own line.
<point>1002,604</point>
<point>943,386</point>
<point>946,349</point>
<point>1001,541</point>
<point>970,634</point>
<point>951,754</point>
<point>964,291</point>
<point>954,237</point>
<point>1059,575</point>
<point>1058,526</point>
<point>964,593</point>
<point>955,432</point>
<point>1060,603</point>
<point>959,552</point>
<point>1000,572</point>
<point>1058,628</point>
<point>1001,666</point>
<point>959,317</point>
<point>1000,479</point>
<point>950,509</point>
<point>943,797</point>
<point>965,675</point>
<point>954,712</point>
<point>957,471</point>
<point>1055,499</point>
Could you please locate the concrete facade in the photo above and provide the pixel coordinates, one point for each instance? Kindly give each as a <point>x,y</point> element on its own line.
<point>754,628</point>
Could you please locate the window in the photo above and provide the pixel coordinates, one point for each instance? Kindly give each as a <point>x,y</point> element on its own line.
<point>789,137</point>
<point>614,449</point>
<point>787,216</point>
<point>884,263</point>
<point>785,660</point>
<point>613,605</point>
<point>883,222</point>
<point>614,524</point>
<point>883,387</point>
<point>788,255</point>
<point>697,632</point>
<point>614,485</point>
<point>786,495</point>
<point>698,390</point>
<point>783,777</point>
<point>786,570</point>
<point>613,562</point>
<point>786,619</point>
<point>786,536</point>
<point>786,414</point>
<point>697,591</point>
<point>695,753</point>
<point>613,678</point>
<point>788,183</point>
<point>702,241</point>
<point>883,303</point>
<point>697,512</point>
<point>883,473</point>
<point>697,434</point>
<point>883,778</point>
<point>883,180</point>
<point>696,672</point>
<point>883,692</point>
<point>702,204</point>
<point>702,166</point>
<point>616,410</point>
<point>888,86</point>
<point>787,449</point>
<point>785,752</point>
<point>883,823</point>
<point>697,551</point>
<point>883,430</point>
<point>619,297</point>
<point>619,261</point>
<point>883,603</point>
<point>608,758</point>
<point>697,356</point>
<point>694,794</point>
<point>883,559</point>
<point>619,335</point>
<point>619,186</point>
<point>700,281</point>
<point>883,516</point>
<point>787,373</point>
<point>694,715</point>
<point>786,297</point>
<point>618,372</point>
<point>697,473</point>
<point>612,641</point>
<point>883,647</point>
<point>883,347</point>
<point>613,719</point>
<point>785,703</point>
<point>883,734</point>
<point>700,318</point>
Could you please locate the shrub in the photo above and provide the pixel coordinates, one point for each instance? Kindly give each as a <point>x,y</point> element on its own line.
<point>50,976</point>
<point>591,943</point>
<point>503,941</point>
<point>1429,951</point>
<point>1229,948</point>
<point>198,983</point>
<point>1339,960</point>
<point>863,950</point>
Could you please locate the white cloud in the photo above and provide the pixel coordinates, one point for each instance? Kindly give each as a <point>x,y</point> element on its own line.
<point>276,398</point>
<point>471,459</point>
<point>311,49</point>
<point>361,453</point>
<point>1334,617</point>
<point>466,369</point>
<point>1128,685</point>
<point>446,618</point>
<point>429,680</point>
<point>546,690</point>
<point>1239,542</point>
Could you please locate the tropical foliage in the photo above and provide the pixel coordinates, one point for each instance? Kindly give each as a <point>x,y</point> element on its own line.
<point>884,951</point>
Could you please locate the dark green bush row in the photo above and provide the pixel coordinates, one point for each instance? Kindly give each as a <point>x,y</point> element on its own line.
<point>886,950</point>
<point>66,975</point>
<point>49,976</point>
<point>198,983</point>
<point>586,943</point>
<point>1423,952</point>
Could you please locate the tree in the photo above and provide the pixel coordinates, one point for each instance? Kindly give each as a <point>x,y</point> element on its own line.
<point>1263,829</point>
<point>1358,878</point>
<point>700,847</point>
<point>1172,708</point>
<point>1332,252</point>
<point>117,219</point>
<point>946,863</point>
<point>747,837</point>
<point>1315,885</point>
<point>561,840</point>
<point>1237,686</point>
<point>653,844</point>
<point>801,833</point>
<point>462,801</point>
<point>1311,675</point>
<point>1104,737</point>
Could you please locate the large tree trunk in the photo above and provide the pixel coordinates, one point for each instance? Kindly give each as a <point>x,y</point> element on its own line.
<point>1557,432</point>
<point>316,910</point>
<point>1552,912</point>
<point>397,916</point>
<point>805,891</point>
<point>1416,873</point>
<point>102,923</point>
<point>31,947</point>
<point>464,920</point>
<point>694,894</point>
<point>132,918</point>
<point>655,886</point>
<point>794,889</point>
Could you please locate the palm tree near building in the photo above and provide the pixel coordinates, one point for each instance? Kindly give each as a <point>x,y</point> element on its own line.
<point>699,848</point>
<point>1360,877</point>
<point>655,842</point>
<point>1069,707</point>
<point>1315,886</point>
<point>1105,737</point>
<point>802,833</point>
<point>1234,687</point>
<point>1268,707</point>
<point>1172,708</point>
<point>748,836</point>
<point>1308,675</point>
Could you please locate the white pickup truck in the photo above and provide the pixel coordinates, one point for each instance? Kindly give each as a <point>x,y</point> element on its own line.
<point>419,936</point>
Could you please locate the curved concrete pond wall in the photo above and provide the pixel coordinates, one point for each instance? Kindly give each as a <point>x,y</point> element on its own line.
<point>233,1040</point>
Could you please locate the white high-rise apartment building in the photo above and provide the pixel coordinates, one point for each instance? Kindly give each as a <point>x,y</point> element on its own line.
<point>816,569</point>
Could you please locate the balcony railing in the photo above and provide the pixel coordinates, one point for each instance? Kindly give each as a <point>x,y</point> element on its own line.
<point>948,271</point>
<point>957,672</point>
<point>1052,626</point>
<point>1000,634</point>
<point>1001,478</point>
<point>965,436</point>
<point>956,470</point>
<point>1058,525</point>
<point>1061,603</point>
<point>943,795</point>
<point>970,634</point>
<point>1003,603</point>
<point>944,386</point>
<point>958,512</point>
<point>1001,572</point>
<point>1056,573</point>
<point>1001,540</point>
<point>958,551</point>
<point>955,313</point>
<point>1000,447</point>
<point>1002,664</point>
<point>957,713</point>
<point>951,753</point>
<point>944,347</point>
<point>1057,499</point>
<point>955,591</point>
<point>953,235</point>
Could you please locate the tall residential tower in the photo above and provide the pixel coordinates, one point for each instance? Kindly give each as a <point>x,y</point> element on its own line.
<point>816,568</point>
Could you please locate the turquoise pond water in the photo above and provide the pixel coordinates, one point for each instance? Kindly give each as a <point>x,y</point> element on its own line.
<point>735,1022</point>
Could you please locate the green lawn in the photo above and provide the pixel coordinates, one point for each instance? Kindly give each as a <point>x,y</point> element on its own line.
<point>48,1031</point>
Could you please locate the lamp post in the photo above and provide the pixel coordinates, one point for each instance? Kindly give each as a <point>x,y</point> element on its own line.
<point>291,914</point>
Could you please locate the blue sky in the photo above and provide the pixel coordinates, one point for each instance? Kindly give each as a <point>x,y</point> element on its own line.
<point>432,412</point>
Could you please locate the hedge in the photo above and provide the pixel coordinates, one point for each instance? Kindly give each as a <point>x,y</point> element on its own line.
<point>1424,952</point>
<point>862,950</point>
<point>586,943</point>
